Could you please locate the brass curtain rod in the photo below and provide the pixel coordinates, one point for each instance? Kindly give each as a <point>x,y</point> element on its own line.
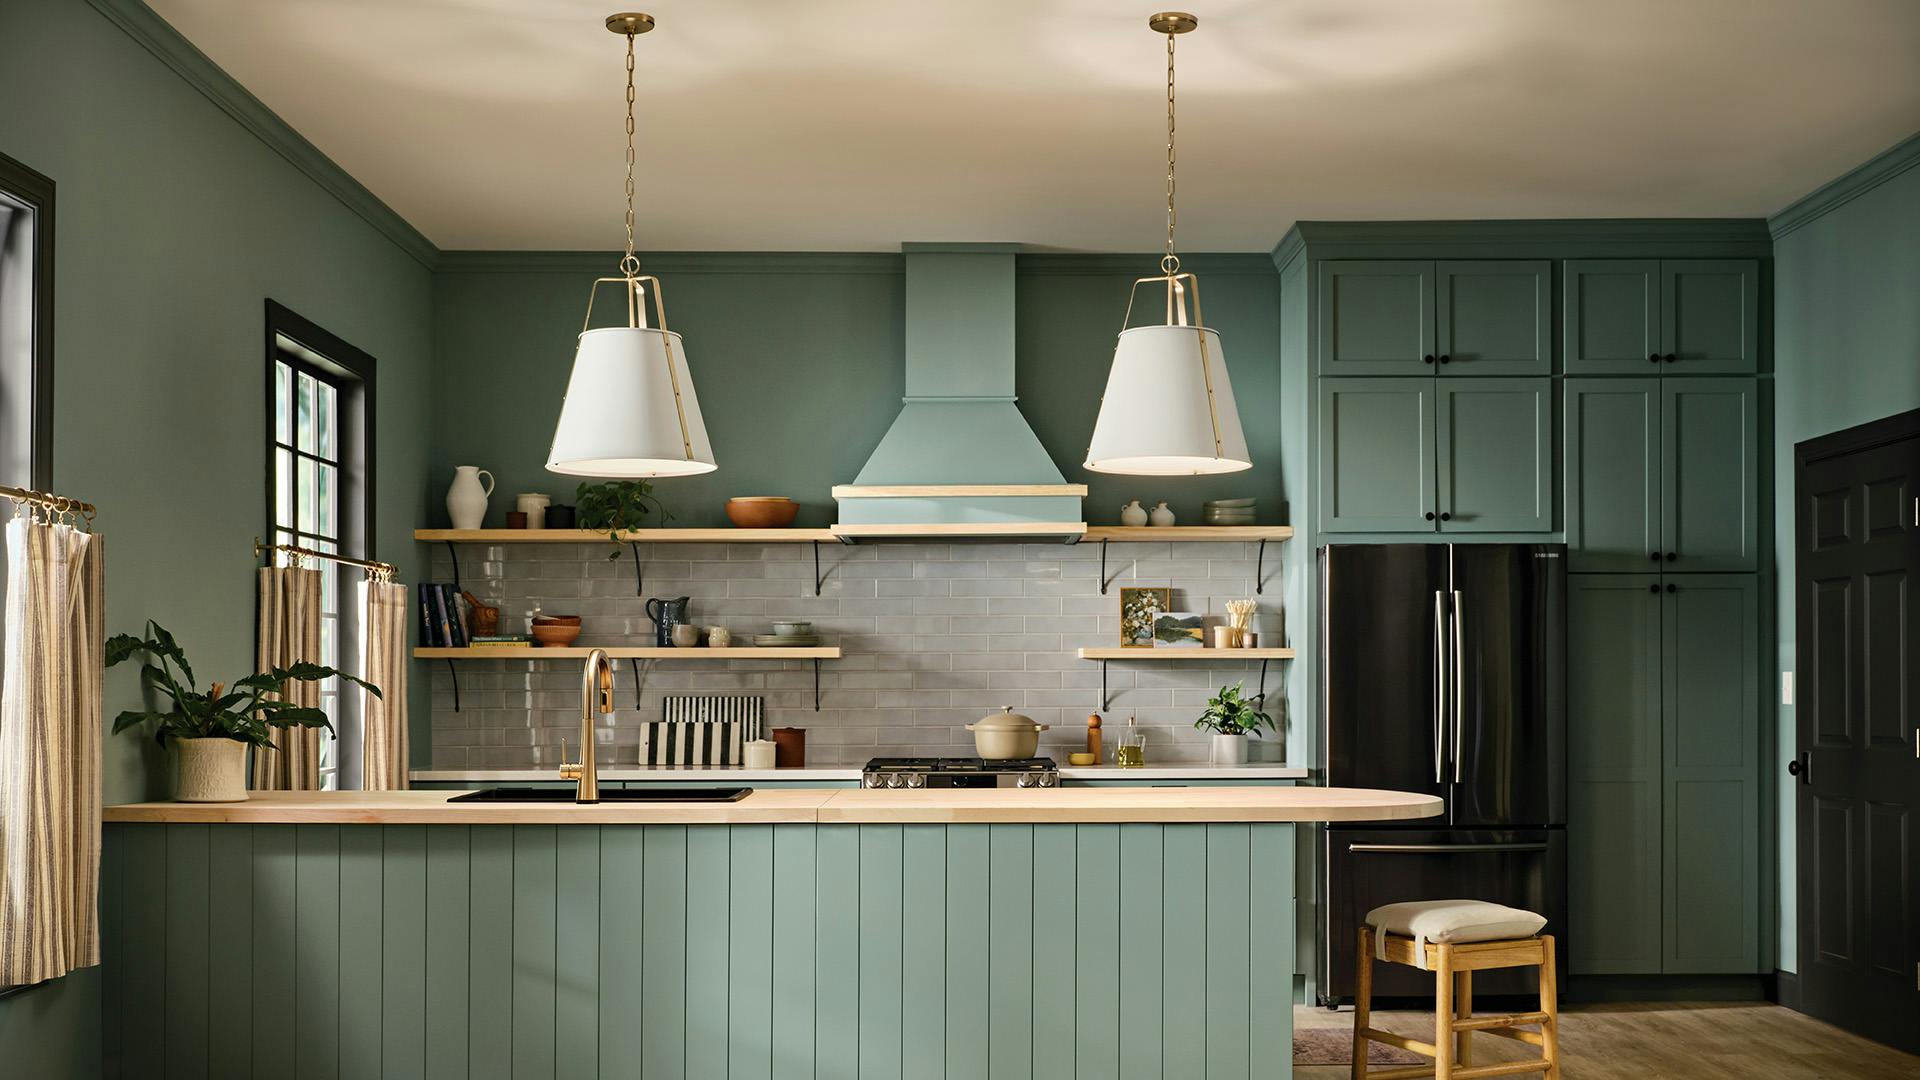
<point>378,569</point>
<point>59,504</point>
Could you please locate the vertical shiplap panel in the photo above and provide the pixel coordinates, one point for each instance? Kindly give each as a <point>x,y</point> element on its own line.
<point>316,947</point>
<point>230,961</point>
<point>275,888</point>
<point>403,953</point>
<point>622,899</point>
<point>1229,903</point>
<point>880,900</point>
<point>706,937</point>
<point>490,952</point>
<point>663,1052</point>
<point>361,939</point>
<point>145,960</point>
<point>1010,961</point>
<point>1096,961</point>
<point>923,951</point>
<point>185,902</point>
<point>535,865</point>
<point>1183,950</point>
<point>448,917</point>
<point>113,940</point>
<point>1139,926</point>
<point>577,986</point>
<point>1270,1042</point>
<point>969,940</point>
<point>793,929</point>
<point>1055,873</point>
<point>750,953</point>
<point>837,959</point>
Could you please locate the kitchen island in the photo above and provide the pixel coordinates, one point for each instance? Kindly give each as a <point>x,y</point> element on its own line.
<point>803,932</point>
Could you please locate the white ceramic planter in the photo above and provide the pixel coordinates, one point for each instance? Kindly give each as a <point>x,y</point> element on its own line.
<point>211,770</point>
<point>1229,750</point>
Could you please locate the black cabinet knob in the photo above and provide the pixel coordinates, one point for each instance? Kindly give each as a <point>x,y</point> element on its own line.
<point>1445,359</point>
<point>1427,359</point>
<point>1793,767</point>
<point>1653,358</point>
<point>1671,358</point>
<point>1654,588</point>
<point>1446,516</point>
<point>1429,515</point>
<point>1654,555</point>
<point>1672,555</point>
<point>1672,587</point>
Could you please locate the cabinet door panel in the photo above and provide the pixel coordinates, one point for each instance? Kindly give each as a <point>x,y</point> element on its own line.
<point>1709,449</point>
<point>1495,455</point>
<point>1376,317</point>
<point>1613,474</point>
<point>1711,741</point>
<point>1710,316</point>
<point>1613,774</point>
<point>1611,316</point>
<point>1376,455</point>
<point>1494,317</point>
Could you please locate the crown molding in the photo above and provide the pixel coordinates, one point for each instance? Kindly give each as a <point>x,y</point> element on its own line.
<point>607,263</point>
<point>1849,186</point>
<point>1542,238</point>
<point>158,37</point>
<point>1144,264</point>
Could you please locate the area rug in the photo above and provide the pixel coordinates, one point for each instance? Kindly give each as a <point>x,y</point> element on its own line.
<point>1324,1046</point>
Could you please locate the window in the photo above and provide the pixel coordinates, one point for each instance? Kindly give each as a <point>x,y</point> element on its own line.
<point>320,496</point>
<point>26,326</point>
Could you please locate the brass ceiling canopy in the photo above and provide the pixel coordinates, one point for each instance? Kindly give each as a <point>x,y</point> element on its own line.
<point>1165,22</point>
<point>639,22</point>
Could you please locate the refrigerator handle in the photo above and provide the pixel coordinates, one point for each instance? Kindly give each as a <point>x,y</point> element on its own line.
<point>1443,849</point>
<point>1459,688</point>
<point>1439,683</point>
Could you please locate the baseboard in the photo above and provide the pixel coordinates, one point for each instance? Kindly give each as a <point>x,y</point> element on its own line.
<point>1618,988</point>
<point>1786,989</point>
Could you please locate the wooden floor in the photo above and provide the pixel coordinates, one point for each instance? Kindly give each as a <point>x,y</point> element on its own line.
<point>1662,1041</point>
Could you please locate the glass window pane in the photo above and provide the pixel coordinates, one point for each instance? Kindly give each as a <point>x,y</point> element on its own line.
<point>283,488</point>
<point>306,413</point>
<point>325,423</point>
<point>326,501</point>
<point>282,416</point>
<point>303,499</point>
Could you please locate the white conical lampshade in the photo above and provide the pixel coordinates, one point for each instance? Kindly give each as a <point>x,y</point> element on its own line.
<point>622,416</point>
<point>1156,418</point>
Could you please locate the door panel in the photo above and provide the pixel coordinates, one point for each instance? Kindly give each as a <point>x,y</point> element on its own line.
<point>1710,316</point>
<point>1379,615</point>
<point>1612,316</point>
<point>1508,756</point>
<point>1494,317</point>
<point>1495,455</point>
<point>1376,455</point>
<point>1613,474</point>
<point>1376,317</point>
<point>1709,512</point>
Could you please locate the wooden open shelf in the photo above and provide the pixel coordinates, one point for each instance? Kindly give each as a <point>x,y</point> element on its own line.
<point>1174,655</point>
<point>984,530</point>
<point>823,652</point>
<point>1064,531</point>
<point>1189,533</point>
<point>637,536</point>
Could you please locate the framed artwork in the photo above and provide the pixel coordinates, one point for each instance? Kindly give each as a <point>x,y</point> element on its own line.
<point>1179,630</point>
<point>1138,607</point>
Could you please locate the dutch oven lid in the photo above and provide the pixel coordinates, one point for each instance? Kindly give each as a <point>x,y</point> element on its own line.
<point>1006,720</point>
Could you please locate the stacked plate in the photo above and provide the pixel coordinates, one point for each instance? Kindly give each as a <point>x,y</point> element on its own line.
<point>791,635</point>
<point>1227,512</point>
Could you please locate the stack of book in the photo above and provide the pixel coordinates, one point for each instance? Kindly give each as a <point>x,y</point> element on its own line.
<point>441,623</point>
<point>502,641</point>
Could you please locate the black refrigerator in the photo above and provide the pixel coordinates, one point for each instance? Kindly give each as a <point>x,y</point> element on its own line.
<point>1443,672</point>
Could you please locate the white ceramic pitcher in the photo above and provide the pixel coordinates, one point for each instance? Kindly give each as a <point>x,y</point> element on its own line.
<point>467,497</point>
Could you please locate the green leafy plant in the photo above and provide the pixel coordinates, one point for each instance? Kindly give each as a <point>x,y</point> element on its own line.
<point>241,711</point>
<point>1230,714</point>
<point>616,506</point>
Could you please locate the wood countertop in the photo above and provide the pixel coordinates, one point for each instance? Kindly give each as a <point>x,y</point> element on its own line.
<point>805,806</point>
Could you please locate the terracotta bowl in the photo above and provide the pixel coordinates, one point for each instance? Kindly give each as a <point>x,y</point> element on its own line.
<point>762,512</point>
<point>556,631</point>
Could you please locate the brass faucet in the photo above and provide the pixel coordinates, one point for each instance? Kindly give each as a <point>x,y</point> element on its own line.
<point>597,676</point>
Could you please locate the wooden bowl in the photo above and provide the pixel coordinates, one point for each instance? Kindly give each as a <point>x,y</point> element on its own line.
<point>556,632</point>
<point>762,512</point>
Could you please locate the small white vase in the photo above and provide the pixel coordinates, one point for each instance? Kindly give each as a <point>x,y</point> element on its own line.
<point>1161,517</point>
<point>467,497</point>
<point>211,770</point>
<point>1228,750</point>
<point>1133,515</point>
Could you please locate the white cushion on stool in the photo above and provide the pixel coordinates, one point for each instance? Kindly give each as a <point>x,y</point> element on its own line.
<point>1450,921</point>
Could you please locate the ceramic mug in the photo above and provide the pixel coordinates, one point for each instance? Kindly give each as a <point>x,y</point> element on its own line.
<point>685,635</point>
<point>535,507</point>
<point>719,637</point>
<point>758,754</point>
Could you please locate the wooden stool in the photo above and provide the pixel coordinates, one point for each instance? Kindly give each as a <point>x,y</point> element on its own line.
<point>1453,965</point>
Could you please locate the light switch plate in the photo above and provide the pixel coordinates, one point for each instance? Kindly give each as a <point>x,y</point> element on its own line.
<point>1786,688</point>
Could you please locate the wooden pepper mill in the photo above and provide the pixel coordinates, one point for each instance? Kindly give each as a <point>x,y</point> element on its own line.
<point>1093,737</point>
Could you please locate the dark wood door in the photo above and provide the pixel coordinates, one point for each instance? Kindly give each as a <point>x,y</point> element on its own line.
<point>1857,527</point>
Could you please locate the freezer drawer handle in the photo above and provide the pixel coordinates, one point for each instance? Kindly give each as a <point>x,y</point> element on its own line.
<point>1440,849</point>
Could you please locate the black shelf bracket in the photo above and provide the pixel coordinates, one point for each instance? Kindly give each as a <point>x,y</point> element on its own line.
<point>816,684</point>
<point>634,663</point>
<point>1262,695</point>
<point>454,554</point>
<point>1103,572</point>
<point>453,673</point>
<point>639,571</point>
<point>819,579</point>
<point>1105,701</point>
<point>1259,584</point>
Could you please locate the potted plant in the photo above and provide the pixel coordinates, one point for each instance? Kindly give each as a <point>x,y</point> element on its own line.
<point>211,729</point>
<point>1232,718</point>
<point>616,506</point>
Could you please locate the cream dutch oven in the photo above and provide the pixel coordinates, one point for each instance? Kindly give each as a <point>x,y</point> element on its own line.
<point>1006,736</point>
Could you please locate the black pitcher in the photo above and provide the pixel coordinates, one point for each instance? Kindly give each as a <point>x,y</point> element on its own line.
<point>666,614</point>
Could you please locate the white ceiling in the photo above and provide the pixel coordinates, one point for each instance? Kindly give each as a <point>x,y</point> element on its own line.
<point>856,124</point>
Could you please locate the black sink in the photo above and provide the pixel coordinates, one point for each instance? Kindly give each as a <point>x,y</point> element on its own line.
<point>567,794</point>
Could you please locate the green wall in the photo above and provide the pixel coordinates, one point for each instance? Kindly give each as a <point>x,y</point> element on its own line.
<point>174,222</point>
<point>1846,351</point>
<point>799,360</point>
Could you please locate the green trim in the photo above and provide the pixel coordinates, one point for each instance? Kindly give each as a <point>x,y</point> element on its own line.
<point>143,25</point>
<point>1545,238</point>
<point>672,262</point>
<point>1289,248</point>
<point>1145,264</point>
<point>1838,192</point>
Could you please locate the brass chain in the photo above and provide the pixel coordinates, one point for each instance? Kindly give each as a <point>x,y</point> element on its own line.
<point>630,263</point>
<point>1170,263</point>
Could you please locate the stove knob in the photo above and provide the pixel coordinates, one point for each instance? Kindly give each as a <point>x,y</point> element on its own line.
<point>873,780</point>
<point>896,780</point>
<point>1048,779</point>
<point>1023,781</point>
<point>916,780</point>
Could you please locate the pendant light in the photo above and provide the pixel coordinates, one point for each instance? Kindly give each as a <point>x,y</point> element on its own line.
<point>630,409</point>
<point>1168,409</point>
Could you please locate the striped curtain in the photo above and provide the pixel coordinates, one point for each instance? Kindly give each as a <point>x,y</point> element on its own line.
<point>290,632</point>
<point>383,662</point>
<point>50,751</point>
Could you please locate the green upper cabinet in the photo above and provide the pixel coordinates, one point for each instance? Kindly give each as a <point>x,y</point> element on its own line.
<point>1495,455</point>
<point>1709,512</point>
<point>1710,316</point>
<point>1376,455</point>
<point>1376,317</point>
<point>1612,316</point>
<point>1415,317</point>
<point>1674,317</point>
<point>1613,474</point>
<point>1493,317</point>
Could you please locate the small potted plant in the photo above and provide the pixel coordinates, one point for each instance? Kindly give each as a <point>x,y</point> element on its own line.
<point>617,506</point>
<point>1232,718</point>
<point>210,730</point>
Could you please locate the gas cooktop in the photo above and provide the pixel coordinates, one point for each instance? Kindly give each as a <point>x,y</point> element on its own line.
<point>948,772</point>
